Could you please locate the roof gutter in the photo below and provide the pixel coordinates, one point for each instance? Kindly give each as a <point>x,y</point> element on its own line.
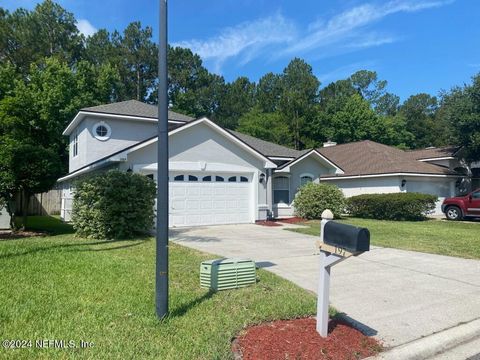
<point>331,178</point>
<point>90,168</point>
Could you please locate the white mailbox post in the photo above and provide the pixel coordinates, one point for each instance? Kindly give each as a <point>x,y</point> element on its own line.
<point>341,242</point>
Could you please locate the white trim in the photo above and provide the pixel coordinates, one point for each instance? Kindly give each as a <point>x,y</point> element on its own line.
<point>87,169</point>
<point>82,114</point>
<point>196,166</point>
<point>281,157</point>
<point>386,175</point>
<point>306,155</point>
<point>106,126</point>
<point>438,158</point>
<point>268,163</point>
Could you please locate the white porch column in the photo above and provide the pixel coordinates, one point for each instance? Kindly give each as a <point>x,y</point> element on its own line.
<point>269,187</point>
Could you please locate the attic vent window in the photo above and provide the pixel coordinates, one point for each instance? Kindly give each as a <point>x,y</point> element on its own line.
<point>102,131</point>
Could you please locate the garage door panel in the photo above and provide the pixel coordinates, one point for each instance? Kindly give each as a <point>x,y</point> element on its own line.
<point>210,202</point>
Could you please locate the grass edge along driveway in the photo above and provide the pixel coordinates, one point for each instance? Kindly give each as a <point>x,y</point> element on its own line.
<point>66,288</point>
<point>460,239</point>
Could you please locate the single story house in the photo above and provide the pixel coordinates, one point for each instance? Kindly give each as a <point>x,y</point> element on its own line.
<point>219,176</point>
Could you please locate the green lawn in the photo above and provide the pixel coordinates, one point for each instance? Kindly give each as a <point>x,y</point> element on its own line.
<point>66,288</point>
<point>432,236</point>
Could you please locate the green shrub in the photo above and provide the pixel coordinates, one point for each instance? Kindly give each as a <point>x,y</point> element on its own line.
<point>312,199</point>
<point>113,205</point>
<point>396,206</point>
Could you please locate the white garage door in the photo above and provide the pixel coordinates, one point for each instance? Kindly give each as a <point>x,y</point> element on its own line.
<point>209,199</point>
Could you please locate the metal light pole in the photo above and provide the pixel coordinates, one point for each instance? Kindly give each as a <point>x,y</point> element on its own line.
<point>161,268</point>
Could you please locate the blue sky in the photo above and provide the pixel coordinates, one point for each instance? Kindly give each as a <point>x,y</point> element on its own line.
<point>416,45</point>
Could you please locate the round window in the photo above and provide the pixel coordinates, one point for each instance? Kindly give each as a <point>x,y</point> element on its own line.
<point>102,131</point>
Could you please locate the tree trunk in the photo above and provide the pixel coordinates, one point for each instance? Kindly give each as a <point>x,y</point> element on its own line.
<point>138,85</point>
<point>11,205</point>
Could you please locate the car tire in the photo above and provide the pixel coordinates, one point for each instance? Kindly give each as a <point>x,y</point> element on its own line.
<point>453,213</point>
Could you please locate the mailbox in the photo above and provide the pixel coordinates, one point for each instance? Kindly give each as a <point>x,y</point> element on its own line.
<point>351,238</point>
<point>337,243</point>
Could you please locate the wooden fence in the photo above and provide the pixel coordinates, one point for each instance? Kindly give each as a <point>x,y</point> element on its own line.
<point>48,203</point>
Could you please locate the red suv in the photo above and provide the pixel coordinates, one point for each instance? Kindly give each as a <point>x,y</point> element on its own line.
<point>456,208</point>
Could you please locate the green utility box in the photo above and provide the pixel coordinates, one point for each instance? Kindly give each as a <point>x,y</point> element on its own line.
<point>223,274</point>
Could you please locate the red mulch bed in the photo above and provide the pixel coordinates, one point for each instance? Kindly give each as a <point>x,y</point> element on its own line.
<point>298,339</point>
<point>8,234</point>
<point>267,223</point>
<point>292,220</point>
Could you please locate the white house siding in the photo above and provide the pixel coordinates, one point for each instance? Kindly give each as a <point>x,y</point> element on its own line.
<point>380,185</point>
<point>4,219</point>
<point>442,188</point>
<point>124,133</point>
<point>76,162</point>
<point>200,150</point>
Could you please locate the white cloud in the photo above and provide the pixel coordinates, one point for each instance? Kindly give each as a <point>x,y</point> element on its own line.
<point>248,39</point>
<point>348,25</point>
<point>277,36</point>
<point>85,27</point>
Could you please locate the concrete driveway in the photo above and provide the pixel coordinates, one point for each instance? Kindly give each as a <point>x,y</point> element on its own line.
<point>397,295</point>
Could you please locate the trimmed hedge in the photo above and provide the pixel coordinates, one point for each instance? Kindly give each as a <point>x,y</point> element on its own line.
<point>395,206</point>
<point>113,205</point>
<point>312,199</point>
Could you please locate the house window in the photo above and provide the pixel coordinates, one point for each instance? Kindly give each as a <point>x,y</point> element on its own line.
<point>179,178</point>
<point>207,178</point>
<point>75,144</point>
<point>243,179</point>
<point>232,179</point>
<point>219,178</point>
<point>281,190</point>
<point>192,178</point>
<point>150,176</point>
<point>305,179</point>
<point>102,131</point>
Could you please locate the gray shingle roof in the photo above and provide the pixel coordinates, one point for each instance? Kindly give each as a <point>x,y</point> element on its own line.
<point>135,108</point>
<point>267,148</point>
<point>370,158</point>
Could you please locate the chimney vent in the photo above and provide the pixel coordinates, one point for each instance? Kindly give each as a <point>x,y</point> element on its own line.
<point>329,143</point>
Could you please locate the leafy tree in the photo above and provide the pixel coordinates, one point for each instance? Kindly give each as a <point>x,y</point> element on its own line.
<point>266,126</point>
<point>38,109</point>
<point>387,104</point>
<point>298,97</point>
<point>356,121</point>
<point>419,113</point>
<point>140,57</point>
<point>192,89</point>
<point>238,98</point>
<point>461,109</point>
<point>368,86</point>
<point>25,169</point>
<point>269,91</point>
<point>29,36</point>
